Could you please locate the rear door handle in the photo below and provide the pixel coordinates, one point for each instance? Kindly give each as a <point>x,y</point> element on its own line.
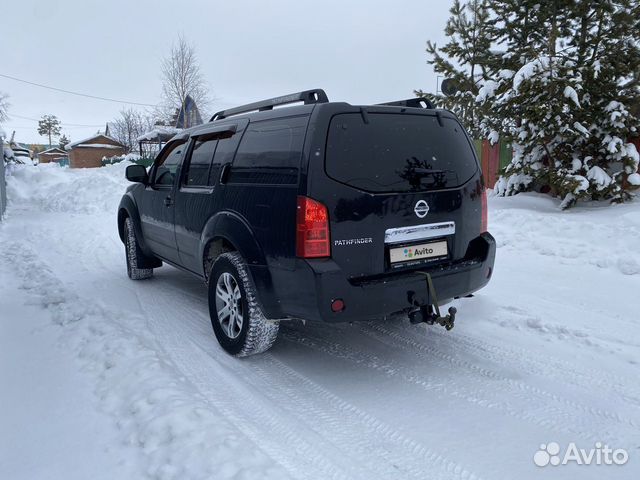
<point>224,173</point>
<point>168,201</point>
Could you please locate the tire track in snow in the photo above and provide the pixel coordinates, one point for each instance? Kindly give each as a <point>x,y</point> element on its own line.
<point>331,417</point>
<point>551,418</point>
<point>343,416</point>
<point>157,411</point>
<point>516,388</point>
<point>305,454</point>
<point>561,370</point>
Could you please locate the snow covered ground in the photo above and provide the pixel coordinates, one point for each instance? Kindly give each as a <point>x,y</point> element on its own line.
<point>102,377</point>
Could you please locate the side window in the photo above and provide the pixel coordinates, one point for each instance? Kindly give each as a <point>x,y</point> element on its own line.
<point>224,154</point>
<point>167,166</point>
<point>270,152</point>
<point>197,173</point>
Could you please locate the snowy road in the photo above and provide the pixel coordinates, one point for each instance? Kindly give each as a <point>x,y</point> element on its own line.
<point>549,352</point>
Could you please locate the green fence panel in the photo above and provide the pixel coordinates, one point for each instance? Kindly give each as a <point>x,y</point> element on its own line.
<point>506,153</point>
<point>478,145</point>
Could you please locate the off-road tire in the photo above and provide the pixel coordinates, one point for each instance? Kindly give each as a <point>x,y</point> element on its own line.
<point>257,334</point>
<point>134,254</point>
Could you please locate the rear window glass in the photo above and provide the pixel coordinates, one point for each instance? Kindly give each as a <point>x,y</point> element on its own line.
<point>200,162</point>
<point>398,152</point>
<point>270,152</point>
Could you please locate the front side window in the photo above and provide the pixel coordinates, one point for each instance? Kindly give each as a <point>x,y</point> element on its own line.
<point>200,162</point>
<point>167,165</point>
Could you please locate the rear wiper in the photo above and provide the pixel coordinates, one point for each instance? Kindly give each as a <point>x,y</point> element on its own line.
<point>428,171</point>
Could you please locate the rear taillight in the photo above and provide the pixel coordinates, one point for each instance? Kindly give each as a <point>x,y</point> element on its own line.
<point>312,229</point>
<point>485,214</point>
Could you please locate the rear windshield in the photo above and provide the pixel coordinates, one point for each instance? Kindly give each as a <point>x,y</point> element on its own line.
<point>398,152</point>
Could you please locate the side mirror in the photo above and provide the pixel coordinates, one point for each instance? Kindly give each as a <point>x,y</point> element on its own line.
<point>137,173</point>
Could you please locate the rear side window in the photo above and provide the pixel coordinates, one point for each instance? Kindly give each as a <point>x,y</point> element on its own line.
<point>270,152</point>
<point>197,173</point>
<point>398,152</point>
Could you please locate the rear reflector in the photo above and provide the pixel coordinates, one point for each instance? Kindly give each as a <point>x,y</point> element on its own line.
<point>312,229</point>
<point>485,214</point>
<point>337,305</point>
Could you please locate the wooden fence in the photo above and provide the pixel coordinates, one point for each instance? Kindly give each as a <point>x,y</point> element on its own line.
<point>493,158</point>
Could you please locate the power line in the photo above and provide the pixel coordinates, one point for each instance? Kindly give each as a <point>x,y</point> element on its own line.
<point>75,93</point>
<point>9,127</point>
<point>61,123</point>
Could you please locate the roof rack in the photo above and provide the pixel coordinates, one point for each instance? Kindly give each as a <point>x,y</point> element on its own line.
<point>316,95</point>
<point>417,102</point>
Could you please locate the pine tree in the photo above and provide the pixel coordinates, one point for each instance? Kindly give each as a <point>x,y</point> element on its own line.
<point>463,60</point>
<point>49,125</point>
<point>563,95</point>
<point>63,141</point>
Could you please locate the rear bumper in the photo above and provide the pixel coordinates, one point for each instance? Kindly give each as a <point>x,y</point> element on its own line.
<point>308,291</point>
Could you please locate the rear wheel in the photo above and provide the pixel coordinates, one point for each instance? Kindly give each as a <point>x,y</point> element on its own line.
<point>134,254</point>
<point>236,315</point>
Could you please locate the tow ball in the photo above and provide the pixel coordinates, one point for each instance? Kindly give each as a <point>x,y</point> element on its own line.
<point>431,314</point>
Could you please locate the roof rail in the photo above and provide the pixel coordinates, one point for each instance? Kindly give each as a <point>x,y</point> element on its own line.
<point>417,102</point>
<point>316,95</point>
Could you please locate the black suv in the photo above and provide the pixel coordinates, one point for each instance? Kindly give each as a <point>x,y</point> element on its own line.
<point>318,211</point>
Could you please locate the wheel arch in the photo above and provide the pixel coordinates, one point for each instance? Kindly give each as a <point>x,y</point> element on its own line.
<point>226,232</point>
<point>129,209</point>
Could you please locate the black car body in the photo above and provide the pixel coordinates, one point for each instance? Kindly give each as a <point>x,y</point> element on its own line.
<point>336,210</point>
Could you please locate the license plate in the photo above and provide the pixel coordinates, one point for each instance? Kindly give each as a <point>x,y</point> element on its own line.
<point>418,252</point>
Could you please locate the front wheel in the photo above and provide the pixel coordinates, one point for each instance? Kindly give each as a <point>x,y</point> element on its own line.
<point>236,315</point>
<point>134,254</point>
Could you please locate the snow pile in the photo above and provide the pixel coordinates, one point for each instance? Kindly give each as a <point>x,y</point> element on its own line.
<point>51,188</point>
<point>603,235</point>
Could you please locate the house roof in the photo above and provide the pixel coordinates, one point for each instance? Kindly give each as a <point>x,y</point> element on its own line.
<point>89,142</point>
<point>53,151</point>
<point>160,133</point>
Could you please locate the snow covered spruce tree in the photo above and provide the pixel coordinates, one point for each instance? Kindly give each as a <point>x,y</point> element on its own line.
<point>562,90</point>
<point>562,87</point>
<point>463,60</point>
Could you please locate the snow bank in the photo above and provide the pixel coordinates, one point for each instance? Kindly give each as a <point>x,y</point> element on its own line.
<point>596,234</point>
<point>52,188</point>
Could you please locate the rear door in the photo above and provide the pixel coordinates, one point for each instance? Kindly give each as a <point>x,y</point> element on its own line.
<point>200,194</point>
<point>403,190</point>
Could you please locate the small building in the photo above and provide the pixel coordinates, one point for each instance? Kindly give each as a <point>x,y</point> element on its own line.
<point>88,153</point>
<point>54,154</point>
<point>151,142</point>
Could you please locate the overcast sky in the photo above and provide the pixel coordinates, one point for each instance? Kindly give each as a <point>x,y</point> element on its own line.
<point>359,51</point>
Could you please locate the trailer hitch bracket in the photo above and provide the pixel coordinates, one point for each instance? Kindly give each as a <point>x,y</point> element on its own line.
<point>431,314</point>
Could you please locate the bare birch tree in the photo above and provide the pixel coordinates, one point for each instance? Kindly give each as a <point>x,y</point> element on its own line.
<point>130,125</point>
<point>181,76</point>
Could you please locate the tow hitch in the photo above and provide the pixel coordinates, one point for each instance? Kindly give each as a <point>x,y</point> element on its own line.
<point>431,314</point>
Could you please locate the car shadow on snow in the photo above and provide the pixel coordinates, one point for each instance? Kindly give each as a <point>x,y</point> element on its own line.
<point>388,347</point>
